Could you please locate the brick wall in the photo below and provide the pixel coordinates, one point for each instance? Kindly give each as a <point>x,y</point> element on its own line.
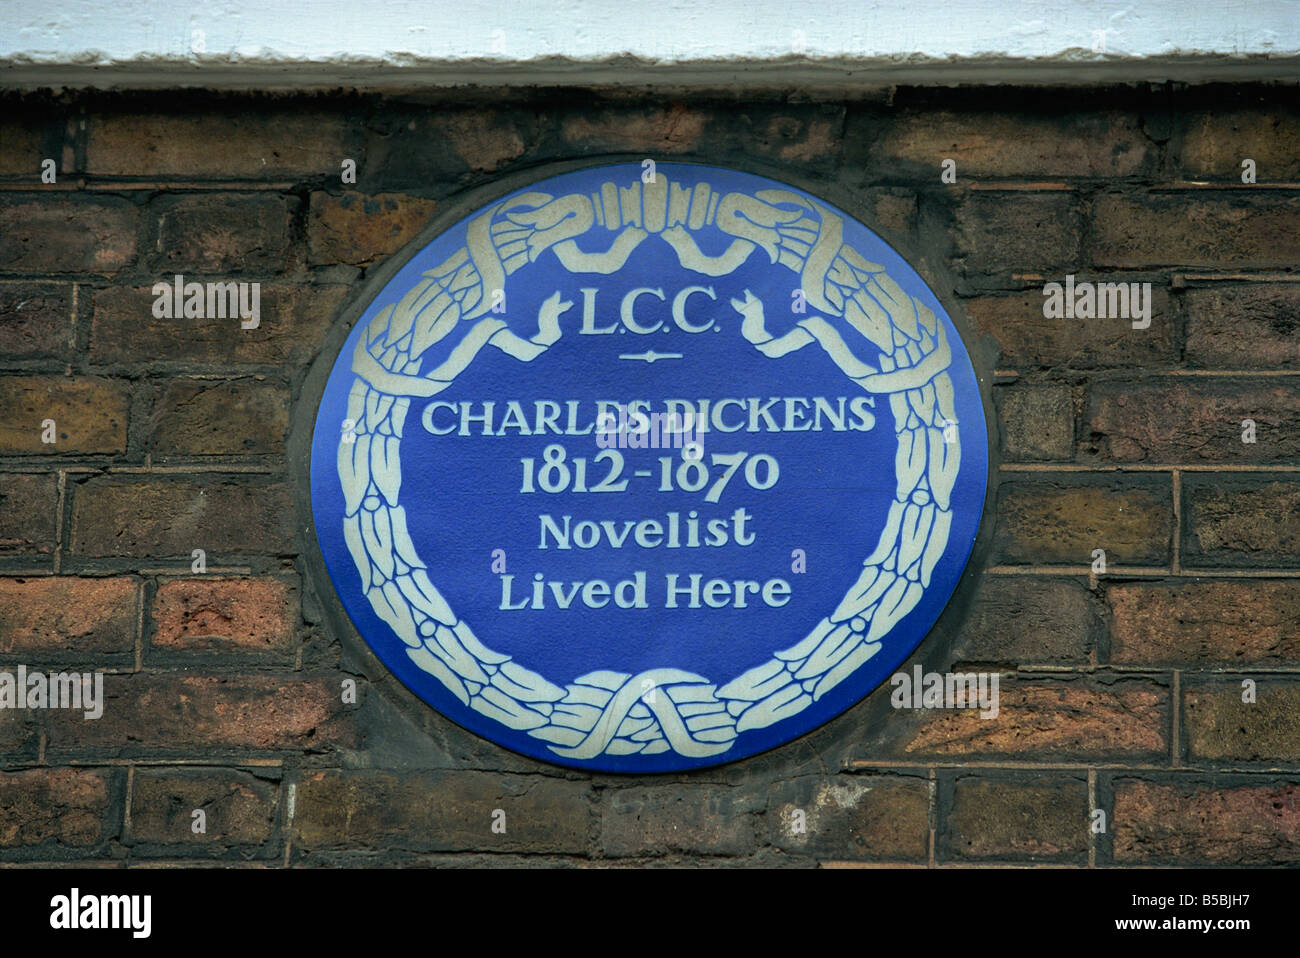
<point>1121,691</point>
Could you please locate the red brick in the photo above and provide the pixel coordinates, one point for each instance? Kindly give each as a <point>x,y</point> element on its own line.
<point>28,504</point>
<point>217,144</point>
<point>241,615</point>
<point>851,818</point>
<point>212,417</point>
<point>57,234</point>
<point>1196,229</point>
<point>995,819</point>
<point>1223,728</point>
<point>53,807</point>
<point>183,712</point>
<point>1248,327</point>
<point>90,415</point>
<point>239,809</point>
<point>359,229</point>
<point>1214,144</point>
<point>999,233</point>
<point>222,233</point>
<point>697,820</point>
<point>294,321</point>
<point>1206,624</point>
<point>1206,822</point>
<point>441,811</point>
<point>65,614</point>
<point>1018,144</point>
<point>1192,421</point>
<point>1062,520</point>
<point>151,517</point>
<point>1247,523</point>
<point>35,320</point>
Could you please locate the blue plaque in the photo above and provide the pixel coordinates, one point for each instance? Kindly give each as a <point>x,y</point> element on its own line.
<point>645,469</point>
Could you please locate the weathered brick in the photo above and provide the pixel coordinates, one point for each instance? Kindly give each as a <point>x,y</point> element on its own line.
<point>1037,422</point>
<point>207,417</point>
<point>239,809</point>
<point>1026,337</point>
<point>1045,819</point>
<point>151,517</point>
<point>28,504</point>
<point>222,233</point>
<point>1062,520</point>
<point>1195,229</point>
<point>1240,523</point>
<point>698,820</point>
<point>1012,232</point>
<point>1206,624</point>
<point>1206,822</point>
<point>415,148</point>
<point>53,807</point>
<point>216,144</point>
<point>360,229</point>
<point>244,615</point>
<point>20,146</point>
<point>1028,621</point>
<point>35,320</point>
<point>1250,327</point>
<point>1223,728</point>
<point>65,614</point>
<point>441,811</point>
<point>1214,144</point>
<point>1018,144</point>
<point>294,320</point>
<point>851,818</point>
<point>1192,421</point>
<point>59,234</point>
<point>1124,718</point>
<point>174,712</point>
<point>90,415</point>
<point>671,129</point>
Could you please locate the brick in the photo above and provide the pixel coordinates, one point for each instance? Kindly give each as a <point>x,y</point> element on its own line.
<point>294,321</point>
<point>1223,728</point>
<point>655,130</point>
<point>239,809</point>
<point>1079,719</point>
<point>1025,337</point>
<point>999,233</point>
<point>1251,327</point>
<point>414,148</point>
<point>20,147</point>
<point>1192,421</point>
<point>852,818</point>
<point>55,234</point>
<point>35,320</point>
<point>28,504</point>
<point>1177,229</point>
<point>240,615</point>
<point>65,614</point>
<point>1028,621</point>
<point>206,417</point>
<point>90,415</point>
<point>1018,144</point>
<point>697,820</point>
<point>1240,523</point>
<point>152,517</point>
<point>53,807</point>
<point>1037,422</point>
<point>894,211</point>
<point>216,144</point>
<point>1062,520</point>
<point>359,230</point>
<point>1214,144</point>
<point>1044,820</point>
<point>1205,624</point>
<point>183,712</point>
<point>807,140</point>
<point>1210,823</point>
<point>441,811</point>
<point>222,233</point>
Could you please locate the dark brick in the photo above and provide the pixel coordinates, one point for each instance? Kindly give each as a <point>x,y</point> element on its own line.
<point>654,130</point>
<point>998,819</point>
<point>1252,327</point>
<point>696,820</point>
<point>53,807</point>
<point>1214,144</point>
<point>90,415</point>
<point>1062,520</point>
<point>359,229</point>
<point>1037,422</point>
<point>1240,523</point>
<point>56,234</point>
<point>65,614</point>
<point>999,233</point>
<point>851,818</point>
<point>241,615</point>
<point>35,320</point>
<point>151,517</point>
<point>28,504</point>
<point>1028,621</point>
<point>239,809</point>
<point>222,234</point>
<point>206,417</point>
<point>1223,728</point>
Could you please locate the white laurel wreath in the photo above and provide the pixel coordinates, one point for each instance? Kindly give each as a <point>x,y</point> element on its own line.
<point>611,712</point>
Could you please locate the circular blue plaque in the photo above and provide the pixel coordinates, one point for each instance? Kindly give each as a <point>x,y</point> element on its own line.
<point>645,468</point>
